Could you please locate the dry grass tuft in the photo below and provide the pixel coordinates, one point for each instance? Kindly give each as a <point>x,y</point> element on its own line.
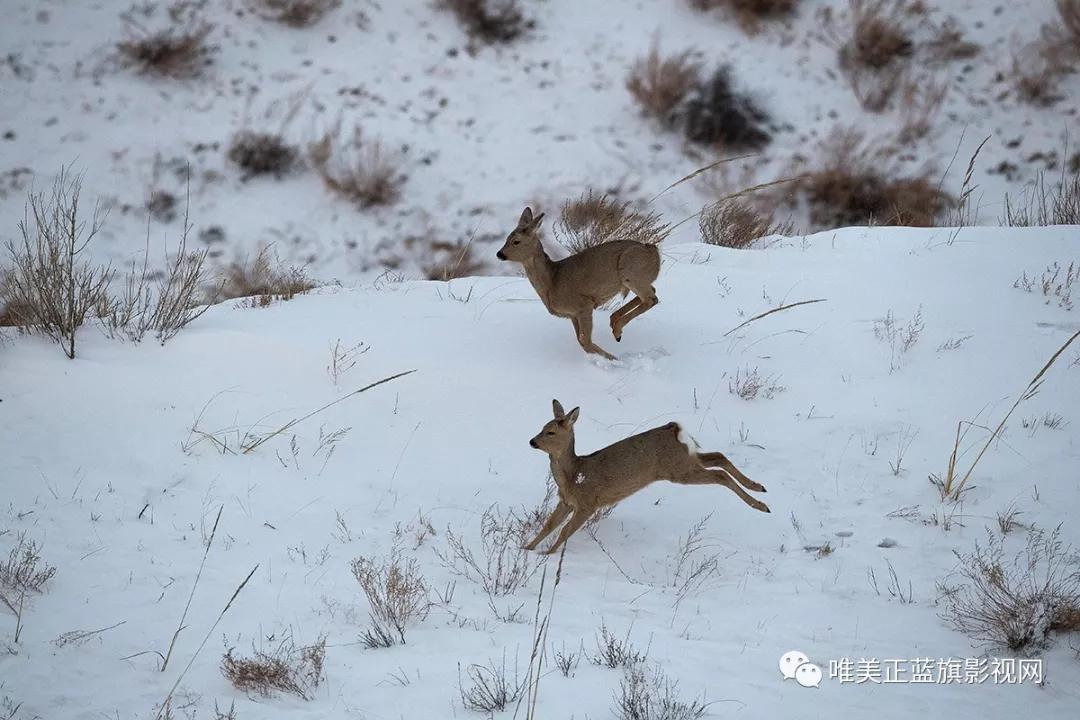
<point>364,172</point>
<point>264,279</point>
<point>875,49</point>
<point>441,259</point>
<point>614,652</point>
<point>1014,604</point>
<point>659,84</point>
<point>397,593</point>
<point>652,695</point>
<point>948,43</point>
<point>51,287</point>
<point>748,383</point>
<point>490,21</point>
<point>853,186</point>
<point>736,224</point>
<point>593,219</point>
<point>24,571</point>
<point>261,153</point>
<point>1039,205</point>
<point>749,13</point>
<point>285,668</point>
<point>491,689</point>
<point>176,51</point>
<point>295,13</point>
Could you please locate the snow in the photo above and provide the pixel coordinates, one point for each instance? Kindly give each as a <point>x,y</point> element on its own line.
<point>98,468</point>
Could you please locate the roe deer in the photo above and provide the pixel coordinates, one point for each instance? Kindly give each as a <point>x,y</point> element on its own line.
<point>577,285</point>
<point>587,483</point>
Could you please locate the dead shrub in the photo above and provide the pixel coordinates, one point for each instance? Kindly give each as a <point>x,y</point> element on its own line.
<point>1040,206</point>
<point>645,695</point>
<point>1035,73</point>
<point>264,279</point>
<point>295,13</point>
<point>1017,603</point>
<point>490,21</point>
<point>362,171</point>
<point>853,185</point>
<point>178,50</point>
<point>285,668</point>
<point>874,50</point>
<point>491,689</point>
<point>397,594</point>
<point>735,223</point>
<point>262,153</point>
<point>24,571</point>
<point>444,260</point>
<point>659,84</point>
<point>748,383</point>
<point>51,288</point>
<point>749,13</point>
<point>593,219</point>
<point>614,652</point>
<point>716,114</point>
<point>948,43</point>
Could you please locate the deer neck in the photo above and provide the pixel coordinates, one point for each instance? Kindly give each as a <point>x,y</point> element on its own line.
<point>564,469</point>
<point>541,273</point>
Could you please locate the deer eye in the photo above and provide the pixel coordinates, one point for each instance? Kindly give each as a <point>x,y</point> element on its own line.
<point>550,432</point>
<point>517,242</point>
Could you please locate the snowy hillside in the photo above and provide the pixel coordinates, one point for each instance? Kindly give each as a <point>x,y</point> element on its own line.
<point>480,129</point>
<point>116,465</point>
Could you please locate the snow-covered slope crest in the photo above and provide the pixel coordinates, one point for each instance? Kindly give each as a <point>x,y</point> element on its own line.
<point>102,469</point>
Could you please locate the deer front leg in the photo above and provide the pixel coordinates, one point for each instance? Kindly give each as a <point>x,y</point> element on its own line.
<point>583,326</point>
<point>579,518</point>
<point>557,516</point>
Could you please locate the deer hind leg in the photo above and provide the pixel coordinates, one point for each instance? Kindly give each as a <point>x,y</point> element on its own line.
<point>579,518</point>
<point>561,511</point>
<point>646,299</point>
<point>719,477</point>
<point>717,459</point>
<point>583,326</point>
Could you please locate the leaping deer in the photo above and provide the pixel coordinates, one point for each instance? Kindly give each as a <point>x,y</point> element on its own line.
<point>577,285</point>
<point>587,483</point>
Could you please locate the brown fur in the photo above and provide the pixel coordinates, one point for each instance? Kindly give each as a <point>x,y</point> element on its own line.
<point>577,285</point>
<point>589,482</point>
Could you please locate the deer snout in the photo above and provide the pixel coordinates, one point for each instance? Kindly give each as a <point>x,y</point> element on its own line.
<point>501,255</point>
<point>532,443</point>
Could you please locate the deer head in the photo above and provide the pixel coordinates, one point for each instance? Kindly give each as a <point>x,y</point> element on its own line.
<point>557,435</point>
<point>524,240</point>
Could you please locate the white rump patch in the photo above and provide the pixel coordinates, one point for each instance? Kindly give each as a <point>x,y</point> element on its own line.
<point>690,443</point>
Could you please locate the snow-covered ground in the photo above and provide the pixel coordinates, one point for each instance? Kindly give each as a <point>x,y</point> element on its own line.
<point>536,121</point>
<point>100,468</point>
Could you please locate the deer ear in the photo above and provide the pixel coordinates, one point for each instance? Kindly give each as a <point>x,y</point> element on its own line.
<point>526,217</point>
<point>539,219</point>
<point>572,416</point>
<point>557,408</point>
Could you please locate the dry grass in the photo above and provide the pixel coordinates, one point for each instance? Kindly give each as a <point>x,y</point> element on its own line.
<point>441,259</point>
<point>24,571</point>
<point>295,13</point>
<point>750,14</point>
<point>397,593</point>
<point>262,153</point>
<point>852,185</point>
<point>285,668</point>
<point>178,51</point>
<point>716,114</point>
<point>1056,282</point>
<point>737,224</point>
<point>362,171</point>
<point>614,652</point>
<point>490,21</point>
<point>1017,603</point>
<point>652,695</point>
<point>491,688</point>
<point>593,219</point>
<point>875,49</point>
<point>748,383</point>
<point>51,288</point>
<point>1039,205</point>
<point>659,84</point>
<point>264,279</point>
<point>948,44</point>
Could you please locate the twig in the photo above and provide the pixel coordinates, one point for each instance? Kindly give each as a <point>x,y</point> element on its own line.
<point>770,312</point>
<point>697,172</point>
<point>80,635</point>
<point>180,626</point>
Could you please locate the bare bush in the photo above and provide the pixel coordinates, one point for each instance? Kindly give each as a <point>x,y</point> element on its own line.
<point>51,287</point>
<point>1039,205</point>
<point>264,279</point>
<point>178,50</point>
<point>490,21</point>
<point>593,219</point>
<point>284,668</point>
<point>614,652</point>
<point>948,43</point>
<point>1014,604</point>
<point>875,49</point>
<point>262,153</point>
<point>716,114</point>
<point>362,171</point>
<point>566,660</point>
<point>295,13</point>
<point>444,260</point>
<point>660,84</point>
<point>749,13</point>
<point>899,337</point>
<point>645,695</point>
<point>24,571</point>
<point>491,689</point>
<point>397,593</point>
<point>748,383</point>
<point>853,185</point>
<point>1035,71</point>
<point>735,223</point>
